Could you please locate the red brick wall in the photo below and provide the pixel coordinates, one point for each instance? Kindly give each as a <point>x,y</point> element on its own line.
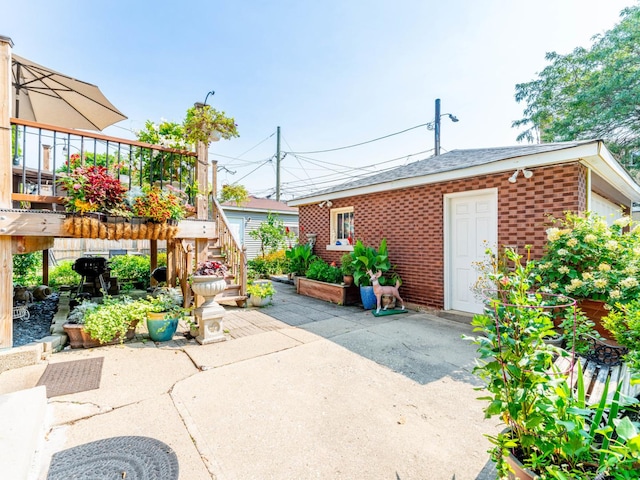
<point>412,221</point>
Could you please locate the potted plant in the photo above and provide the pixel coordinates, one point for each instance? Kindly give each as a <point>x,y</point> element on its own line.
<point>203,123</point>
<point>92,189</point>
<point>550,431</point>
<point>589,260</point>
<point>112,321</point>
<point>75,322</point>
<point>162,208</point>
<point>346,263</point>
<point>367,258</point>
<point>164,311</point>
<point>92,192</point>
<point>260,293</point>
<point>209,280</point>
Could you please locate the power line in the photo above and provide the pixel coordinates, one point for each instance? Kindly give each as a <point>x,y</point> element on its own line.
<point>345,176</point>
<point>364,143</point>
<point>259,166</point>
<point>255,146</point>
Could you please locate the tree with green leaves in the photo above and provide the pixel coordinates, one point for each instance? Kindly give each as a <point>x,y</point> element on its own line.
<point>235,193</point>
<point>271,233</point>
<point>590,93</point>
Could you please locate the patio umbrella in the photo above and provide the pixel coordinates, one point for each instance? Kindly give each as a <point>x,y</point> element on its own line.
<point>46,96</point>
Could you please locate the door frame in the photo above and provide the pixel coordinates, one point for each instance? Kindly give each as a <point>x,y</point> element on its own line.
<point>447,198</point>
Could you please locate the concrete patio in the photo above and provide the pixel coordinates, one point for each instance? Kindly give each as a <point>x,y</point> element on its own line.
<point>302,389</point>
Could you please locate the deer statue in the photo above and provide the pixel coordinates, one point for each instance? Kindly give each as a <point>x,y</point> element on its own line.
<point>379,290</point>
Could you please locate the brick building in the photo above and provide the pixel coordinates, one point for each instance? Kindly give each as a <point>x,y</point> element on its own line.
<point>437,214</point>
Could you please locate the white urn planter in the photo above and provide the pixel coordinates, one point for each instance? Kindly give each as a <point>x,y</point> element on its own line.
<point>210,313</point>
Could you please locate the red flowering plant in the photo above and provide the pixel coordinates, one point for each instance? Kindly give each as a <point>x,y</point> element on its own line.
<point>158,205</point>
<point>211,268</point>
<point>92,189</point>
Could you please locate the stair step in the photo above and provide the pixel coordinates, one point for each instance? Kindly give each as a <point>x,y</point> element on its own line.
<point>230,291</point>
<point>23,429</point>
<point>239,300</point>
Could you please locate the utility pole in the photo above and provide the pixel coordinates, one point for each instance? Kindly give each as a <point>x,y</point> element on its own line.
<point>278,166</point>
<point>437,128</point>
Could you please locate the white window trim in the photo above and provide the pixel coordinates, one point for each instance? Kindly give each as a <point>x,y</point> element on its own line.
<point>333,218</point>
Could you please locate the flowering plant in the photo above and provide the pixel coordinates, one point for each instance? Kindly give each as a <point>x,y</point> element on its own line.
<point>92,189</point>
<point>211,267</point>
<point>585,257</point>
<point>158,205</point>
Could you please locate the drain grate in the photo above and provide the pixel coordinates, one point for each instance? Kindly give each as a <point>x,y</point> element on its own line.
<point>72,377</point>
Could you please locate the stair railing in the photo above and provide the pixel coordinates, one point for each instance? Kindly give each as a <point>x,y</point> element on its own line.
<point>235,253</point>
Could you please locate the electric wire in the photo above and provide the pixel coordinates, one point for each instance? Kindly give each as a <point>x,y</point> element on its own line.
<point>364,143</point>
<point>259,166</point>
<point>245,152</point>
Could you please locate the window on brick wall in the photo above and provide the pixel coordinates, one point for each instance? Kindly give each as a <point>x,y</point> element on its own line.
<point>342,228</point>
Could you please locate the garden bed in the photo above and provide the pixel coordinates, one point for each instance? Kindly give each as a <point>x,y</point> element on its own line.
<point>336,293</point>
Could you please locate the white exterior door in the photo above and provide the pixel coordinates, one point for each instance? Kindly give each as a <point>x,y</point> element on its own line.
<point>471,224</point>
<point>605,208</point>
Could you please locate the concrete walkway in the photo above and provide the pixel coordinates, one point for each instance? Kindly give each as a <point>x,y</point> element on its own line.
<point>303,389</point>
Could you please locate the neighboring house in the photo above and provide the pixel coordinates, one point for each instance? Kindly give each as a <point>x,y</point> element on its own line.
<point>437,214</point>
<point>248,216</point>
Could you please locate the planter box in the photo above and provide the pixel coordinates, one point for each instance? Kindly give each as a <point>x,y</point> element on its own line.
<point>78,338</point>
<point>330,292</point>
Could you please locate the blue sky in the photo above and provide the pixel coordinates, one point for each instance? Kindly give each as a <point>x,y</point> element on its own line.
<point>329,73</point>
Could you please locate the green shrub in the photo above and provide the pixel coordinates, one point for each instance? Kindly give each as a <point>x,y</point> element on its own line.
<point>63,274</point>
<point>624,322</point>
<point>132,269</point>
<point>26,267</point>
<point>299,258</point>
<point>271,264</point>
<point>346,263</point>
<point>323,272</point>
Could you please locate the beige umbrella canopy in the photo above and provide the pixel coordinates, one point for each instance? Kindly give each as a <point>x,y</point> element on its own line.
<point>46,96</point>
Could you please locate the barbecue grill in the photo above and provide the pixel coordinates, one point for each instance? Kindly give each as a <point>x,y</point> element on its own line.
<point>92,269</point>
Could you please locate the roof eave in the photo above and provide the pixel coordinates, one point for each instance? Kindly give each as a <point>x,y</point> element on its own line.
<point>583,152</point>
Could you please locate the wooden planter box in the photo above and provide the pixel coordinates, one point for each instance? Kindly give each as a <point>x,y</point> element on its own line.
<point>330,292</point>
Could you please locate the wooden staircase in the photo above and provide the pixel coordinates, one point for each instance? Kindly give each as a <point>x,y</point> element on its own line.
<point>223,248</point>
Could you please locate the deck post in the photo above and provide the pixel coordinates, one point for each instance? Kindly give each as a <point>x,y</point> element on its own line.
<point>202,212</point>
<point>6,258</point>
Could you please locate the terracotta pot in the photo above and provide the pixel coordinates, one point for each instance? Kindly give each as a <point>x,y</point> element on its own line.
<point>87,341</point>
<point>347,279</point>
<point>74,333</point>
<point>594,310</point>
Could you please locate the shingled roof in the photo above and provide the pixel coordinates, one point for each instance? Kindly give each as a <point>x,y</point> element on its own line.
<point>258,204</point>
<point>453,160</point>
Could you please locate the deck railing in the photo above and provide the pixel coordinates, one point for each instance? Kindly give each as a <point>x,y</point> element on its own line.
<point>42,153</point>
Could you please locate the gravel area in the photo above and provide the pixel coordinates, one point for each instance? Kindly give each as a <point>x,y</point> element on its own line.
<point>39,323</point>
